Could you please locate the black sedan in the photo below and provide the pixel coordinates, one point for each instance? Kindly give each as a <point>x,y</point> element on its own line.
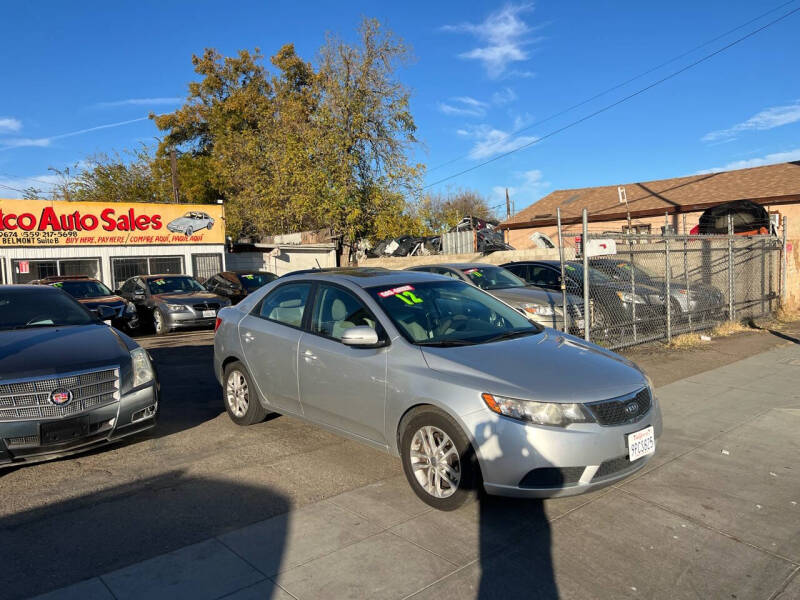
<point>68,381</point>
<point>236,285</point>
<point>93,294</point>
<point>614,304</point>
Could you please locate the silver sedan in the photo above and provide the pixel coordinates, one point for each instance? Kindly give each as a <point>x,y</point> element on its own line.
<point>467,391</point>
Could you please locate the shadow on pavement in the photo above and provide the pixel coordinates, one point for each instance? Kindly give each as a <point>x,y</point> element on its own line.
<point>70,541</point>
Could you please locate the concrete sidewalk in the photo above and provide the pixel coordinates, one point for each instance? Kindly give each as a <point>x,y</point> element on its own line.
<point>716,514</point>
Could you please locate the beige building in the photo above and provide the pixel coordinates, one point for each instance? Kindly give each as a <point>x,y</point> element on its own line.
<point>673,202</point>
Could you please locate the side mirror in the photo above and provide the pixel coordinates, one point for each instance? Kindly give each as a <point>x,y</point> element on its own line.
<point>138,295</point>
<point>105,313</point>
<point>361,337</point>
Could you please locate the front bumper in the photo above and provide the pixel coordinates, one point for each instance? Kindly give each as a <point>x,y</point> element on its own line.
<point>188,318</point>
<point>25,441</point>
<point>522,460</point>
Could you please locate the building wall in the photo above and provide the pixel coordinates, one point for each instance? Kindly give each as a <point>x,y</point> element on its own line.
<point>496,258</point>
<point>105,254</point>
<point>292,258</point>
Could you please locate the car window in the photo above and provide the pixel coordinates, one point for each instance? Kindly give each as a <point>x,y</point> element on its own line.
<point>83,288</point>
<point>336,311</point>
<point>448,273</point>
<point>128,286</point>
<point>544,276</point>
<point>174,285</point>
<point>25,308</point>
<point>493,278</point>
<point>519,271</point>
<point>285,304</point>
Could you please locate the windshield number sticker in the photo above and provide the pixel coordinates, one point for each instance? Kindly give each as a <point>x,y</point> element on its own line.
<point>404,293</point>
<point>58,285</point>
<point>569,267</point>
<point>159,282</point>
<point>247,276</point>
<point>474,272</point>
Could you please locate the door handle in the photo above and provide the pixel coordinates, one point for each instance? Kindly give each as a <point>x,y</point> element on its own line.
<point>249,337</point>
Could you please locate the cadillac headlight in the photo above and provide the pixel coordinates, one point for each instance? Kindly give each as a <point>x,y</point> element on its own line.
<point>130,308</point>
<point>629,298</point>
<point>177,307</point>
<point>142,369</point>
<point>553,414</point>
<point>538,310</point>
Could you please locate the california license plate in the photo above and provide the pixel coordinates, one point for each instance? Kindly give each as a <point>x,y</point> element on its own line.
<point>641,443</point>
<point>207,314</point>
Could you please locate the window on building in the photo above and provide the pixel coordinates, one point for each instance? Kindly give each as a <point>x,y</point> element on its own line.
<point>25,271</point>
<point>206,265</point>
<point>125,268</point>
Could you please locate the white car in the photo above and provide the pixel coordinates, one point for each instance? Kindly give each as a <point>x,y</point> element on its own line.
<point>191,222</point>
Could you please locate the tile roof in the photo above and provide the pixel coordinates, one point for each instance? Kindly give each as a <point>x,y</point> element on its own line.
<point>770,184</point>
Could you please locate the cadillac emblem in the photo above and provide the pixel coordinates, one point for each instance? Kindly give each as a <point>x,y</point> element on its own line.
<point>60,397</point>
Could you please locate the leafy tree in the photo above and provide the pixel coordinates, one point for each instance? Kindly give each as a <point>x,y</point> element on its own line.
<point>440,212</point>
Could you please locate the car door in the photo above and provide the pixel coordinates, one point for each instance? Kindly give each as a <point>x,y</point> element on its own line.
<point>269,337</point>
<point>342,386</point>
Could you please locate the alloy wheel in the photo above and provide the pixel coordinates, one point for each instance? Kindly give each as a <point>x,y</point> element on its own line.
<point>158,321</point>
<point>435,462</point>
<point>236,393</point>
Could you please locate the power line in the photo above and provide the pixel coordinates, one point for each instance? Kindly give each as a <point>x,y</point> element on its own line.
<point>618,86</point>
<point>8,187</point>
<point>616,103</point>
<point>50,183</point>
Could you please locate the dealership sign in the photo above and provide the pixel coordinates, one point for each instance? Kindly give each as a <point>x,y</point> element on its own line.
<point>43,223</point>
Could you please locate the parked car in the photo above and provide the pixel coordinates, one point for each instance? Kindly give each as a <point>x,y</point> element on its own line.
<point>612,301</point>
<point>235,285</point>
<point>698,298</point>
<point>68,382</point>
<point>172,301</point>
<point>540,305</point>
<point>93,294</point>
<point>191,222</point>
<point>461,386</point>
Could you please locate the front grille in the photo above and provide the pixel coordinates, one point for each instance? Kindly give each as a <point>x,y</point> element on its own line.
<point>613,412</point>
<point>22,442</point>
<point>615,465</point>
<point>551,477</point>
<point>30,399</point>
<point>207,306</point>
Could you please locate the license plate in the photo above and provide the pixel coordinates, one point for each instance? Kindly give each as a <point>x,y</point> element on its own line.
<point>207,314</point>
<point>641,443</point>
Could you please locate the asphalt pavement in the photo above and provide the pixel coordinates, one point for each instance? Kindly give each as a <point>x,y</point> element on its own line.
<point>201,508</point>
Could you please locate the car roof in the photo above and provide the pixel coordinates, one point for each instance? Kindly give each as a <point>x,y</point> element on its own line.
<point>459,266</point>
<point>160,275</point>
<point>551,263</point>
<point>21,287</point>
<point>365,277</point>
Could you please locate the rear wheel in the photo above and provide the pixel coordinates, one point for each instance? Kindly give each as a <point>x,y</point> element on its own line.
<point>241,399</point>
<point>438,460</point>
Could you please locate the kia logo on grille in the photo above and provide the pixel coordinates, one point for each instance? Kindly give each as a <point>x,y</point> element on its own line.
<point>631,408</point>
<point>60,397</point>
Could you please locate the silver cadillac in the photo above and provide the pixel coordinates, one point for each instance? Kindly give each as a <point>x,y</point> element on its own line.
<point>465,389</point>
<point>68,382</point>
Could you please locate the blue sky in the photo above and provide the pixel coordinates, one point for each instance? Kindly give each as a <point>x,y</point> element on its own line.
<point>79,78</point>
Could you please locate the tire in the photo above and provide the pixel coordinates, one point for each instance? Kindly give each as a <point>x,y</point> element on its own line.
<point>243,405</point>
<point>159,322</point>
<point>189,231</point>
<point>417,428</point>
<point>210,225</point>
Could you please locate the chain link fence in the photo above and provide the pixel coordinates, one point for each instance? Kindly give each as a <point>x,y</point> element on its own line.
<point>643,288</point>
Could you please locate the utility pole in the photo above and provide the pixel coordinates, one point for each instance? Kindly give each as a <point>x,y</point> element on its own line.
<point>508,206</point>
<point>173,163</point>
<point>623,198</point>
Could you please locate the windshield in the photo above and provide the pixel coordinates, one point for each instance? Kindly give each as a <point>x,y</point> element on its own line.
<point>253,281</point>
<point>174,285</point>
<point>449,313</point>
<point>493,278</point>
<point>624,268</point>
<point>575,272</point>
<point>26,308</point>
<point>83,289</point>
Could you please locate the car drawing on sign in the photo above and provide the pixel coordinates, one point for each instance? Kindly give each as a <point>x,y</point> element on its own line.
<point>169,302</point>
<point>68,382</point>
<point>190,223</point>
<point>468,392</point>
<point>93,294</point>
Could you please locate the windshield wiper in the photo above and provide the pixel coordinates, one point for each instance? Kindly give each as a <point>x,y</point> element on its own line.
<point>446,343</point>
<point>511,334</point>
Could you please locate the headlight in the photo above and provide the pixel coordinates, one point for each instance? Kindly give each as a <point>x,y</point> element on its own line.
<point>539,310</point>
<point>130,308</point>
<point>177,307</point>
<point>553,414</point>
<point>629,298</point>
<point>142,369</point>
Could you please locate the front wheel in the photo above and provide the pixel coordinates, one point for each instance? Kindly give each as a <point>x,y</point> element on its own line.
<point>189,231</point>
<point>241,399</point>
<point>438,460</point>
<point>160,322</point>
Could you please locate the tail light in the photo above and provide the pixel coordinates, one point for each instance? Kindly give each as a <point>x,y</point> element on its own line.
<point>217,324</point>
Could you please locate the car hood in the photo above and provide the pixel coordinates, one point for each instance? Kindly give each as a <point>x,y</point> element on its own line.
<point>550,367</point>
<point>48,350</point>
<point>191,298</point>
<point>113,301</point>
<point>517,296</point>
<point>179,221</point>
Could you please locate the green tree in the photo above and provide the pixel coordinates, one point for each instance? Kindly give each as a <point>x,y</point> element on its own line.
<point>439,212</point>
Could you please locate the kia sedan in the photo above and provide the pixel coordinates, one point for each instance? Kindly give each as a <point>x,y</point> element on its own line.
<point>466,390</point>
<point>68,381</point>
